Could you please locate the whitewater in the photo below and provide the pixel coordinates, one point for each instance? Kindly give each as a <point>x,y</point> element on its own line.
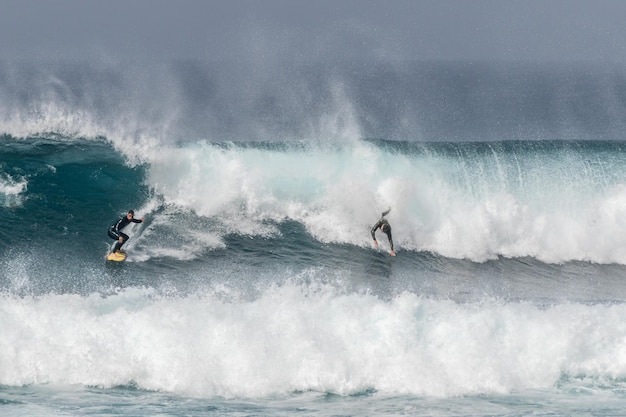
<point>253,288</point>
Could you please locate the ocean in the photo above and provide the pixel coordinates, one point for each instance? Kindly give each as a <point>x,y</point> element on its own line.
<point>252,287</point>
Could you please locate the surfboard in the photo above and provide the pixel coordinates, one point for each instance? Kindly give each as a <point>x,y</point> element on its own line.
<point>116,256</point>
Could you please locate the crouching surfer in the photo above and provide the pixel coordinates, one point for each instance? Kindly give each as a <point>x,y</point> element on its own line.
<point>115,229</point>
<point>383,225</point>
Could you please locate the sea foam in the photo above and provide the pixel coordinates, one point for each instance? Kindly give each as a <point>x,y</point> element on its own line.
<point>294,338</point>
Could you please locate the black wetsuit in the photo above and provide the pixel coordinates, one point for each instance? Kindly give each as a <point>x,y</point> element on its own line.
<point>114,231</point>
<point>383,225</point>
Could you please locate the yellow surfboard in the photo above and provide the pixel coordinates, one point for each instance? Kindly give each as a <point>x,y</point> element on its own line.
<point>116,256</point>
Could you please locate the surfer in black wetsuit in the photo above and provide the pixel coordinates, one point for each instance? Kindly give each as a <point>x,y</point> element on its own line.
<point>115,229</point>
<point>383,225</point>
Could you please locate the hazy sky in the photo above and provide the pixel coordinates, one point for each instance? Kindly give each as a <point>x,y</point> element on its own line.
<point>536,30</point>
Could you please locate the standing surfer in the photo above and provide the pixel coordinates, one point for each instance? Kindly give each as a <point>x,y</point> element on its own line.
<point>383,225</point>
<point>115,229</point>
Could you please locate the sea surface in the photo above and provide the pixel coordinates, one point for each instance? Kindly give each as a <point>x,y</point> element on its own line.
<point>252,288</point>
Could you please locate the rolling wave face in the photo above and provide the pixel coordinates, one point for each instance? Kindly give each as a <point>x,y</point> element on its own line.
<point>54,226</point>
<point>553,201</point>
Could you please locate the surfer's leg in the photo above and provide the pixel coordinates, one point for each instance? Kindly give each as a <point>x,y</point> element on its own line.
<point>119,244</point>
<point>388,232</point>
<point>113,235</point>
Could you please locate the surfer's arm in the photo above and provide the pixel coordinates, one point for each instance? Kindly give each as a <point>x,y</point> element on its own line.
<point>138,220</point>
